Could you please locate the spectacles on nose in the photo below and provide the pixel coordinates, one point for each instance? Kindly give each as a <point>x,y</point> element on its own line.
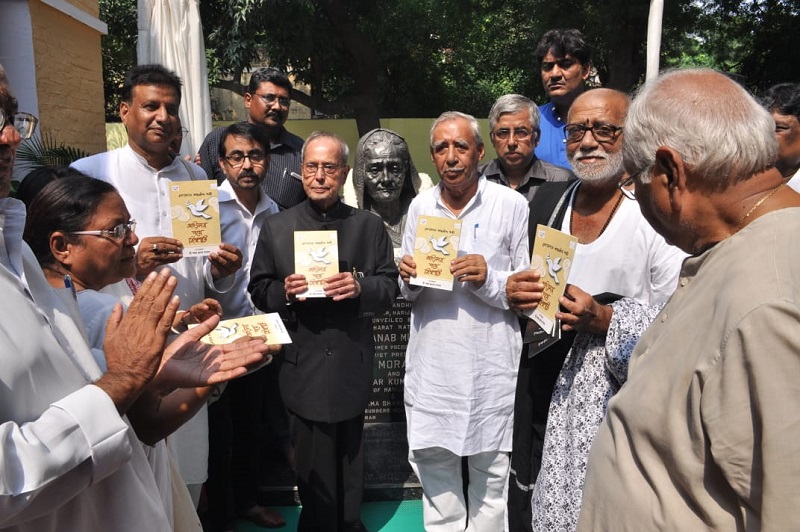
<point>236,159</point>
<point>520,133</point>
<point>24,123</point>
<point>602,133</point>
<point>328,169</point>
<point>119,232</point>
<point>269,99</point>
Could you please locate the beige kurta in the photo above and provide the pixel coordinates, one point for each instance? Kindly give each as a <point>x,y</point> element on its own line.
<point>706,432</point>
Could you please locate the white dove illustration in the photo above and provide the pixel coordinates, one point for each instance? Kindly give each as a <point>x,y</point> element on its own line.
<point>318,255</point>
<point>553,267</point>
<point>439,244</point>
<point>226,332</point>
<point>198,208</point>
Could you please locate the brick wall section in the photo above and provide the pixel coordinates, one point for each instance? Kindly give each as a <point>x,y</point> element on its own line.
<point>69,76</point>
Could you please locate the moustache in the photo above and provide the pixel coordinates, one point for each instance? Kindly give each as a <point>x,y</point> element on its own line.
<point>248,173</point>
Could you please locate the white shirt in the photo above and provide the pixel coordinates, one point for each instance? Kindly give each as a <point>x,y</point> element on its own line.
<point>464,346</point>
<point>68,460</point>
<point>629,258</point>
<point>240,228</point>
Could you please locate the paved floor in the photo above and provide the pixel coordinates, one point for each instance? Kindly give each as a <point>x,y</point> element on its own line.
<point>387,516</point>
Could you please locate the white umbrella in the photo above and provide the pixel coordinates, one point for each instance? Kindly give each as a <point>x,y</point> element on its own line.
<point>170,34</point>
<point>654,24</point>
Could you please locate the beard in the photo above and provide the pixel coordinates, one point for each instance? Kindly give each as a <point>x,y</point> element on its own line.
<point>610,169</point>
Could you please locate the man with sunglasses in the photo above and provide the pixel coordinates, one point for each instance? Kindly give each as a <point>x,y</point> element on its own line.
<point>514,121</point>
<point>267,100</point>
<point>618,256</point>
<point>564,65</point>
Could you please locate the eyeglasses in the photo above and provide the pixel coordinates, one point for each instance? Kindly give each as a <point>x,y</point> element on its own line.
<point>236,159</point>
<point>520,133</point>
<point>24,123</point>
<point>601,132</point>
<point>327,168</point>
<point>624,187</point>
<point>119,232</point>
<point>269,99</point>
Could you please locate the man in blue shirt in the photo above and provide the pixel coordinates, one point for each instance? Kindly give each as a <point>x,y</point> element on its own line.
<point>565,62</point>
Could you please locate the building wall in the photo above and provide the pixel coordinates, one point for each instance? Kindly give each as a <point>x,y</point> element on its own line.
<point>69,73</point>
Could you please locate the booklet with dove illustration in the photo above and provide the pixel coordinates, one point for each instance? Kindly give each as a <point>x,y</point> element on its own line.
<point>267,326</point>
<point>552,256</point>
<point>436,245</point>
<point>194,208</point>
<point>316,256</point>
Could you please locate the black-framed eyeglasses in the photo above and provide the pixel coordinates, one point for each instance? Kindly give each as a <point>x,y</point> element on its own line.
<point>625,187</point>
<point>329,169</point>
<point>520,133</point>
<point>24,123</point>
<point>269,99</point>
<point>601,132</point>
<point>118,232</point>
<point>237,158</point>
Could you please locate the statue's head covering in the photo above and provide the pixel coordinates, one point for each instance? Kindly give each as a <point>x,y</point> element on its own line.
<point>411,181</point>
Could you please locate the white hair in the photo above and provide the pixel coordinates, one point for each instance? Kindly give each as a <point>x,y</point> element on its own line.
<point>718,128</point>
<point>513,103</point>
<point>456,115</point>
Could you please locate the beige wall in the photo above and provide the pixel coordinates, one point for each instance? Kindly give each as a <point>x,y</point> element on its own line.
<point>69,76</point>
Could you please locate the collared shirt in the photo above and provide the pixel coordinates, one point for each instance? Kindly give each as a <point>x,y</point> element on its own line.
<point>705,435</point>
<point>552,146</point>
<point>240,228</point>
<point>538,172</point>
<point>284,158</point>
<point>464,346</point>
<point>69,461</point>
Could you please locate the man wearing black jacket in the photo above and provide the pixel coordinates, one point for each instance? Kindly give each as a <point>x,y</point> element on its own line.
<point>326,375</point>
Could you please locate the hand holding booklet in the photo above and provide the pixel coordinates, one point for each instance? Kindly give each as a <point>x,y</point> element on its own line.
<point>551,257</point>
<point>435,246</point>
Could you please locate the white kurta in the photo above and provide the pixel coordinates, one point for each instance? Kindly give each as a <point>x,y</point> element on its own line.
<point>629,259</point>
<point>68,461</point>
<point>464,346</point>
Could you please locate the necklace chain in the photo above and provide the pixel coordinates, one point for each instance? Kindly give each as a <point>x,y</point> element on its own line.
<point>605,225</point>
<point>757,205</point>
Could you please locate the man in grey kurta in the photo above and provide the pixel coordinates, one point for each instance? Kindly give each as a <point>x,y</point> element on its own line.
<point>705,435</point>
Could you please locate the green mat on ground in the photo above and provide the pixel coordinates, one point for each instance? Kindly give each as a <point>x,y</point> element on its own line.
<point>385,516</point>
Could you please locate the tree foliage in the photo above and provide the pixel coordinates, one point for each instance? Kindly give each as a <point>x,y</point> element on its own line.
<point>118,50</point>
<point>414,58</point>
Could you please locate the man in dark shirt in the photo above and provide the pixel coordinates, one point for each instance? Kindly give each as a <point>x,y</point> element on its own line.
<point>267,101</point>
<point>514,121</point>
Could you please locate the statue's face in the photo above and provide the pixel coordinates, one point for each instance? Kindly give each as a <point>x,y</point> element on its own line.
<point>385,171</point>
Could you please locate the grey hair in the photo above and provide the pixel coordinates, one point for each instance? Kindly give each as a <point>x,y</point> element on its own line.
<point>344,151</point>
<point>456,115</point>
<point>513,103</point>
<point>722,134</point>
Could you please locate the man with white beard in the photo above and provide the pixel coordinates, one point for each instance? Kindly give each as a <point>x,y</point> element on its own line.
<point>625,272</point>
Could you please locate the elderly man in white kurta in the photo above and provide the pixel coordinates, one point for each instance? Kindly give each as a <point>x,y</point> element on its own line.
<point>465,344</point>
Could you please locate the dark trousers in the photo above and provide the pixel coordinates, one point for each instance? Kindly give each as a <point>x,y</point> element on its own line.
<point>236,436</point>
<point>329,459</point>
